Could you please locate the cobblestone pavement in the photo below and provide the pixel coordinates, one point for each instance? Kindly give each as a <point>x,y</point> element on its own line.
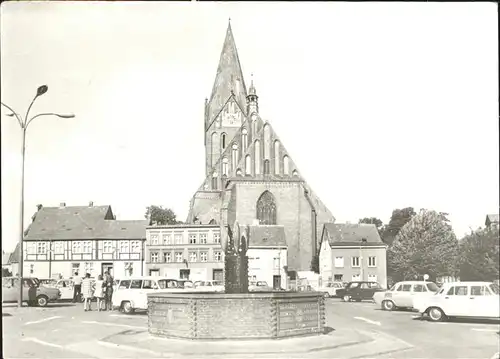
<point>66,331</point>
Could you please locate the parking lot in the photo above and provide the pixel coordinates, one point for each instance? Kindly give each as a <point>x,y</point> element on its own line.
<point>64,330</point>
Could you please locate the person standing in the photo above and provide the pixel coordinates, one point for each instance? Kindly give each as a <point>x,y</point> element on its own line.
<point>77,290</point>
<point>99,292</point>
<point>109,291</point>
<point>87,292</point>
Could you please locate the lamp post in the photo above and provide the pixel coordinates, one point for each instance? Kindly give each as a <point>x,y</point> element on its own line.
<point>24,126</point>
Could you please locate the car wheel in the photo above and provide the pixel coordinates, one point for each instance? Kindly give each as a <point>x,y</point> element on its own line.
<point>127,308</point>
<point>388,305</point>
<point>436,314</point>
<point>42,301</point>
<point>347,298</point>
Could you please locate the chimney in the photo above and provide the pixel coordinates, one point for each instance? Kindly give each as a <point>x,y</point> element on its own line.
<point>62,204</point>
<point>91,204</point>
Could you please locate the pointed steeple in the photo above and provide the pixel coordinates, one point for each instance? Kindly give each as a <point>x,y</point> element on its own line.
<point>252,99</point>
<point>229,78</point>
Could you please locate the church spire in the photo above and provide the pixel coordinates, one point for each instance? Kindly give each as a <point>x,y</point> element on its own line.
<point>252,99</point>
<point>229,78</point>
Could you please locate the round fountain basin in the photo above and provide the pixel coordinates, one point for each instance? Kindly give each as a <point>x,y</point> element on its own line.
<point>263,315</point>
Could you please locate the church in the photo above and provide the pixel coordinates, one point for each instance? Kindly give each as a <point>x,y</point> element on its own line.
<point>249,175</point>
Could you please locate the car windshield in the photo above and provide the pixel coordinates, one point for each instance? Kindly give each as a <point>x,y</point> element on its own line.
<point>432,287</point>
<point>167,283</point>
<point>494,288</point>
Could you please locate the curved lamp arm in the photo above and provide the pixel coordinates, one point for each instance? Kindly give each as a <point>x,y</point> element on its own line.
<point>14,113</point>
<point>49,114</point>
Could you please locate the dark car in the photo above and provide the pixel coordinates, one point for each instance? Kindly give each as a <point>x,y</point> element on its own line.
<point>359,291</point>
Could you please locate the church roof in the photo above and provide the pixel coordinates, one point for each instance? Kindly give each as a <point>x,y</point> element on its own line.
<point>492,218</point>
<point>229,78</point>
<point>346,234</point>
<point>267,236</point>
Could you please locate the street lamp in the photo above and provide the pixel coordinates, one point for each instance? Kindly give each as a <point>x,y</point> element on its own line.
<point>24,126</point>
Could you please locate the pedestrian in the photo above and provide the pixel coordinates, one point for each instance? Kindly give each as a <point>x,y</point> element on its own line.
<point>109,291</point>
<point>87,292</point>
<point>77,290</point>
<point>99,292</point>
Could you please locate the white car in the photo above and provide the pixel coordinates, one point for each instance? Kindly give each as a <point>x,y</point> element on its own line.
<point>209,286</point>
<point>462,299</point>
<point>330,289</point>
<point>132,293</point>
<point>403,294</point>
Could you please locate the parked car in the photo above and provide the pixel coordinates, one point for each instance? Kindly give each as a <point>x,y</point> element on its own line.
<point>48,282</point>
<point>259,286</point>
<point>209,286</point>
<point>330,289</point>
<point>461,299</point>
<point>183,283</point>
<point>403,294</point>
<point>358,291</point>
<point>132,293</point>
<point>33,292</point>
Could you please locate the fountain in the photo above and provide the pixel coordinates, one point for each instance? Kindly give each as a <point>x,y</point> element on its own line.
<point>236,313</point>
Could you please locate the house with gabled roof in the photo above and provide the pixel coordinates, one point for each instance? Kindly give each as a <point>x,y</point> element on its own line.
<point>85,239</point>
<point>250,176</point>
<point>352,252</point>
<point>492,220</point>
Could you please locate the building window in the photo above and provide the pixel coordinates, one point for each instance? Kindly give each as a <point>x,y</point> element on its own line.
<point>203,238</point>
<point>295,173</point>
<point>356,277</point>
<point>87,247</point>
<point>372,277</point>
<point>129,269</point>
<point>339,262</point>
<point>216,237</point>
<point>31,248</point>
<point>203,256</point>
<point>355,261</point>
<point>107,247</point>
<point>223,140</point>
<point>136,246</point>
<point>372,262</point>
<point>193,256</point>
<point>215,146</point>
<point>167,257</point>
<point>239,173</point>
<point>41,248</point>
<point>257,157</point>
<point>266,209</point>
<point>214,180</point>
<point>217,256</point>
<point>89,267</point>
<point>235,156</point>
<point>32,268</point>
<point>277,157</point>
<point>338,277</point>
<point>154,239</point>
<point>244,140</point>
<point>225,169</point>
<point>154,257</point>
<point>124,247</point>
<point>267,141</point>
<point>76,247</point>
<point>178,238</point>
<point>58,247</point>
<point>167,239</point>
<point>286,169</point>
<point>178,257</point>
<point>276,262</point>
<point>192,238</point>
<point>266,167</point>
<point>248,165</point>
<point>75,267</point>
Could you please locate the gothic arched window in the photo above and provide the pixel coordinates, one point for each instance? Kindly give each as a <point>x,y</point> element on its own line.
<point>266,208</point>
<point>223,140</point>
<point>266,167</point>
<point>267,141</point>
<point>277,157</point>
<point>248,165</point>
<point>224,166</point>
<point>244,140</point>
<point>257,157</point>
<point>286,169</point>
<point>214,181</point>
<point>235,156</point>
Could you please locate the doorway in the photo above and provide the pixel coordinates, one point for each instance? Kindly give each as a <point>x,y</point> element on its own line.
<point>218,274</point>
<point>276,281</point>
<point>184,274</point>
<point>154,272</point>
<point>107,267</point>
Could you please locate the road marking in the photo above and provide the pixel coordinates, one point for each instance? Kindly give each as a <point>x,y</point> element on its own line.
<point>368,321</point>
<point>113,324</point>
<point>485,330</point>
<point>42,320</point>
<point>35,340</point>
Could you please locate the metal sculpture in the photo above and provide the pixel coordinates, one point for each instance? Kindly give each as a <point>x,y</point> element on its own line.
<point>235,247</point>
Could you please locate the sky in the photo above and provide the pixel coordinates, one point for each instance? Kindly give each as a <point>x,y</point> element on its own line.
<point>380,105</point>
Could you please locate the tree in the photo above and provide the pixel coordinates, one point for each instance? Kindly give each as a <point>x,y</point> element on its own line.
<point>160,216</point>
<point>398,219</point>
<point>425,245</point>
<point>479,255</point>
<point>377,222</point>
